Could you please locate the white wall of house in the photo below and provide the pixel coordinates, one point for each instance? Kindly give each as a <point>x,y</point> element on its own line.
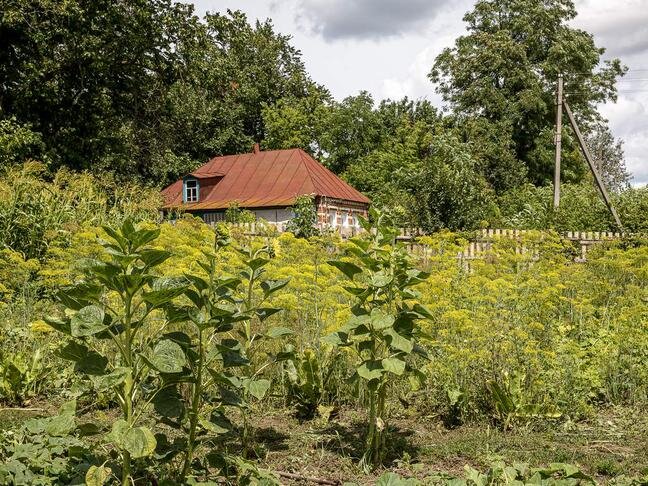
<point>279,215</point>
<point>340,218</point>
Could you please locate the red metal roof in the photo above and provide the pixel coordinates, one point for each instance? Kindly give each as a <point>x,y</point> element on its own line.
<point>265,178</point>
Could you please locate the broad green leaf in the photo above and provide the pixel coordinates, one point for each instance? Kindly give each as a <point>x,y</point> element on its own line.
<point>92,363</point>
<point>61,325</point>
<point>168,403</point>
<point>393,479</point>
<point>269,287</point>
<point>165,289</point>
<point>217,423</point>
<point>97,475</point>
<point>336,338</point>
<point>73,351</point>
<point>118,431</point>
<point>175,313</point>
<point>115,235</point>
<point>417,275</point>
<point>381,279</point>
<point>364,223</point>
<point>168,357</point>
<point>398,342</point>
<point>257,388</point>
<point>103,271</point>
<point>370,370</point>
<point>257,263</point>
<point>394,365</point>
<point>152,257</point>
<point>88,428</point>
<point>229,397</point>
<point>355,322</point>
<point>360,243</point>
<point>179,337</point>
<point>139,441</point>
<point>275,332</point>
<point>61,425</point>
<point>422,311</point>
<point>225,378</point>
<point>142,237</point>
<point>264,312</point>
<point>347,268</point>
<point>358,291</point>
<point>417,379</point>
<point>380,319</point>
<point>231,353</point>
<point>87,321</point>
<point>111,380</point>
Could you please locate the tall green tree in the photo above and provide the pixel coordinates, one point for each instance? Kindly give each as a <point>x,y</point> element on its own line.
<point>500,78</point>
<point>142,88</point>
<point>609,158</point>
<point>88,75</point>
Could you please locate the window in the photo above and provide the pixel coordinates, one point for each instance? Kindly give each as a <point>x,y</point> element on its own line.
<point>191,190</point>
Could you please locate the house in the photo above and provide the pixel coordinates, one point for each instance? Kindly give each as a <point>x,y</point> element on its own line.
<point>267,183</point>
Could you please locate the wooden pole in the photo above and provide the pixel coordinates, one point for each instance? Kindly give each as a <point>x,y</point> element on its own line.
<point>590,162</point>
<point>559,102</point>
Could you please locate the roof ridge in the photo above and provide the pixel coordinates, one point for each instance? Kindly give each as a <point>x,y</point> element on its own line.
<point>304,162</point>
<point>322,185</point>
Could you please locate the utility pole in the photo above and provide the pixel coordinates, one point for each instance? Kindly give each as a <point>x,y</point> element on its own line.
<point>590,162</point>
<point>559,105</point>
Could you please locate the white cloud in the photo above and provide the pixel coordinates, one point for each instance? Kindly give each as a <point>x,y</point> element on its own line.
<point>367,19</point>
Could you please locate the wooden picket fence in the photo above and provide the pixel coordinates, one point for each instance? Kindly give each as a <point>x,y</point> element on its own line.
<point>480,243</point>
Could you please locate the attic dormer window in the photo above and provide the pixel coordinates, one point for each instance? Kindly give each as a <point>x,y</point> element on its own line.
<point>191,190</point>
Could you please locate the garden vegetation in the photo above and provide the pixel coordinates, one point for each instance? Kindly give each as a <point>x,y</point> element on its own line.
<point>182,333</point>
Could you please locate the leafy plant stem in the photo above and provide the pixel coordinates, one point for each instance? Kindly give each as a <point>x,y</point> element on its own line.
<point>195,408</point>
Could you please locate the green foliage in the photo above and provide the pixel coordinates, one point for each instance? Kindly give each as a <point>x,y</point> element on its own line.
<point>304,219</point>
<point>498,473</point>
<point>18,143</point>
<point>581,206</point>
<point>509,403</point>
<point>114,308</point>
<point>383,329</point>
<point>514,338</point>
<point>234,214</point>
<point>166,94</point>
<point>43,451</point>
<point>254,261</point>
<point>21,375</point>
<point>502,73</point>
<point>212,357</point>
<point>309,373</point>
<point>36,213</point>
<point>447,190</point>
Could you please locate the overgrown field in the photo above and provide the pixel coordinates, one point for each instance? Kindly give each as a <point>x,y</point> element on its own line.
<point>192,355</point>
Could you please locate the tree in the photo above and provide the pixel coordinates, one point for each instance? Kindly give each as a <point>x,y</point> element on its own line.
<point>608,156</point>
<point>447,190</point>
<point>18,143</point>
<point>88,75</point>
<point>304,220</point>
<point>503,74</point>
<point>299,122</point>
<point>142,88</point>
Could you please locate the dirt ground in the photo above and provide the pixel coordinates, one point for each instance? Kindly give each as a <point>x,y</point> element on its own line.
<point>613,442</point>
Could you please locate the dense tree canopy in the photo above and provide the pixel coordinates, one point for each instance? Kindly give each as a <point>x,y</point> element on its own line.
<point>500,81</point>
<point>141,88</point>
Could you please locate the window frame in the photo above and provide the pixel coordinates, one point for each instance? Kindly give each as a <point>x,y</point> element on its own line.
<point>191,194</point>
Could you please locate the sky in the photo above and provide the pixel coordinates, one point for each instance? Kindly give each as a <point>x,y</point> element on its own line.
<point>387,47</point>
